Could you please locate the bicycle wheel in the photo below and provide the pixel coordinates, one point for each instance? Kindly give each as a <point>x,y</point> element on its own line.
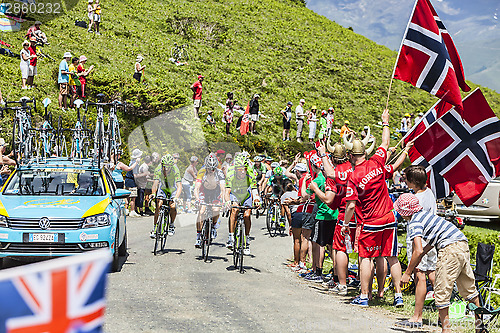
<point>164,231</point>
<point>203,238</point>
<point>158,229</point>
<point>276,220</point>
<point>269,218</point>
<point>241,247</point>
<point>207,238</point>
<point>236,244</point>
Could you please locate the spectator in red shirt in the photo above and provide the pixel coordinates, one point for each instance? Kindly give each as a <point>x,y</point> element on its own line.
<point>197,89</point>
<point>32,66</point>
<point>367,194</point>
<point>82,74</point>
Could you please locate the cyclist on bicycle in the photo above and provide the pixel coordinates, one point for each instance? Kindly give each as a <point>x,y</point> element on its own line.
<point>167,185</point>
<point>208,189</point>
<point>241,190</point>
<point>276,186</point>
<point>261,171</point>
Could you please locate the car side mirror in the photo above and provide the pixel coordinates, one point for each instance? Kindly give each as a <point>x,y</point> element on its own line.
<point>121,194</point>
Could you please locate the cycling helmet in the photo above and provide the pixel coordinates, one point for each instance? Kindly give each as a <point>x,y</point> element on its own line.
<point>275,165</point>
<point>211,162</point>
<point>258,158</point>
<point>240,161</point>
<point>167,161</point>
<point>269,158</point>
<point>278,171</point>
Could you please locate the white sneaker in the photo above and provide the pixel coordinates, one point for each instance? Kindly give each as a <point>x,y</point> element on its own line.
<point>214,234</point>
<point>340,290</point>
<point>152,235</point>
<point>246,251</point>
<point>133,214</point>
<point>198,243</point>
<point>230,244</point>
<point>127,211</point>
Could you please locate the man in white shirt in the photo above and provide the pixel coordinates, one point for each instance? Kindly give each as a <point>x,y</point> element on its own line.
<point>299,118</point>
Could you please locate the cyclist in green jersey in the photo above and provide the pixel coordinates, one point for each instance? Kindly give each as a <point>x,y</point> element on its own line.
<point>241,190</point>
<point>167,185</point>
<point>261,169</point>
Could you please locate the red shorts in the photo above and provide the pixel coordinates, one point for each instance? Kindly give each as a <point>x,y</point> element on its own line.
<point>359,226</point>
<point>339,238</point>
<point>379,237</point>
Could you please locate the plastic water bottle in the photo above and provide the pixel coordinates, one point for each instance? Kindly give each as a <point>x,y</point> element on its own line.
<point>348,245</point>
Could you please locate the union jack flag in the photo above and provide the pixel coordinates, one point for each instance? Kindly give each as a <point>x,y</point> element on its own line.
<point>428,58</point>
<point>465,151</point>
<point>58,296</point>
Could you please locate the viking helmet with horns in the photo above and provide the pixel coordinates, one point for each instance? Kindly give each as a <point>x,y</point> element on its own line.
<point>358,147</point>
<point>338,151</point>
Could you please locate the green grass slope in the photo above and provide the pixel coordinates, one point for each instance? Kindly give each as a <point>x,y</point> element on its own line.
<point>277,48</point>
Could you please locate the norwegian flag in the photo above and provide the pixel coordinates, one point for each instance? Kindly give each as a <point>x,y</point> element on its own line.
<point>428,58</point>
<point>465,151</point>
<point>57,296</point>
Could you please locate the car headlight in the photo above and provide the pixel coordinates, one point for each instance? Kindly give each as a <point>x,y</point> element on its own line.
<point>3,222</point>
<point>99,220</point>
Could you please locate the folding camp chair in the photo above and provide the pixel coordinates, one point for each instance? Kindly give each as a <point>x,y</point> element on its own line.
<point>488,316</point>
<point>483,271</point>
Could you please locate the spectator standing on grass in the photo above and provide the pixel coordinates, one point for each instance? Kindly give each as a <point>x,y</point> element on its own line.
<point>63,79</point>
<point>299,118</point>
<point>90,14</point>
<point>287,118</point>
<point>329,121</point>
<point>33,60</point>
<point>97,16</point>
<point>228,112</point>
<point>197,89</point>
<point>312,122</point>
<point>138,68</point>
<point>228,161</point>
<point>254,113</point>
<point>25,63</point>
<point>345,129</point>
<point>83,73</point>
<point>323,125</point>
<point>187,183</point>
<point>73,78</point>
<point>453,261</point>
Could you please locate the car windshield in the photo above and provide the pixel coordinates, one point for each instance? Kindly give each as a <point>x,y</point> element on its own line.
<point>56,182</point>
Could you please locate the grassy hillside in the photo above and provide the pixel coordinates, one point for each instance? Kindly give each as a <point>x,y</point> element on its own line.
<point>276,48</point>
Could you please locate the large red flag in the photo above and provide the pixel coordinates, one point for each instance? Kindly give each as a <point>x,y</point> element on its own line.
<point>428,58</point>
<point>465,151</point>
<point>245,121</point>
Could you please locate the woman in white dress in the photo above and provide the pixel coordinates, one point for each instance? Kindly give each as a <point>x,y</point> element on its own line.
<point>312,121</point>
<point>25,62</point>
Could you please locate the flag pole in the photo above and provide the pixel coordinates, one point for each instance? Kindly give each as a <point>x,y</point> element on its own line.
<point>399,51</point>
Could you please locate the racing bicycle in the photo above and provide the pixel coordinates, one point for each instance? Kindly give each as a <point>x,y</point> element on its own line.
<point>23,140</point>
<point>274,219</point>
<point>206,229</point>
<point>162,226</point>
<point>47,131</point>
<point>240,238</point>
<point>79,144</point>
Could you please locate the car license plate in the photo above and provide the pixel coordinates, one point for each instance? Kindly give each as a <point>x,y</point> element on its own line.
<point>43,238</point>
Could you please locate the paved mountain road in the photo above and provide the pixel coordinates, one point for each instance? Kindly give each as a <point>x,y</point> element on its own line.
<point>178,292</point>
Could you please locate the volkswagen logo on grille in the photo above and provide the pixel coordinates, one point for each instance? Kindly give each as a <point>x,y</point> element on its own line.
<point>44,223</point>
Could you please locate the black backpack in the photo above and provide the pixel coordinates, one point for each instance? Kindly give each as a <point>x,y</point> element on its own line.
<point>82,24</point>
<point>129,179</point>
